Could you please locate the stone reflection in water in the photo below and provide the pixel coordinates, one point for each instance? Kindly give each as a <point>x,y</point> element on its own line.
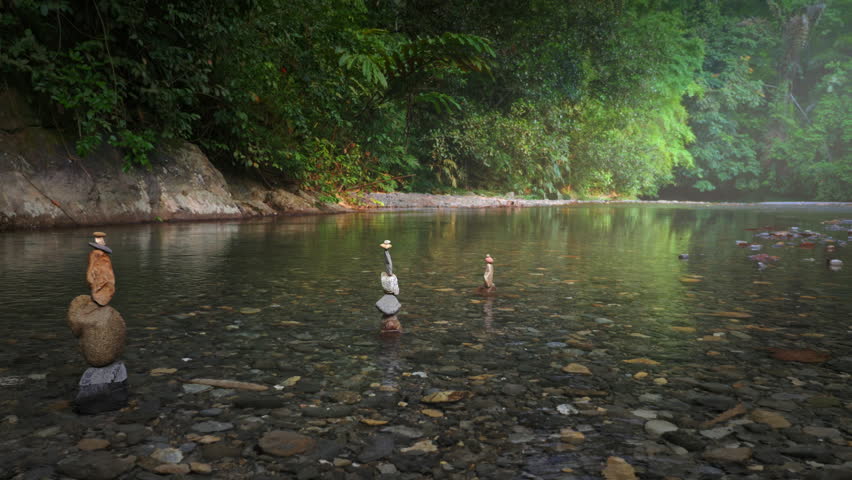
<point>162,246</point>
<point>488,311</point>
<point>389,362</point>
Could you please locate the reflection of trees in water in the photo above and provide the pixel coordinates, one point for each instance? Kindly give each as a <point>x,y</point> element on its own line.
<point>152,263</point>
<point>330,260</point>
<point>172,259</point>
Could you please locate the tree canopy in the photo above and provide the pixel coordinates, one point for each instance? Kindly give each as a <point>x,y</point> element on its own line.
<point>550,98</point>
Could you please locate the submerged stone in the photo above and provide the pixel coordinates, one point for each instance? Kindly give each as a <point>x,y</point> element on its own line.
<point>102,389</point>
<point>773,419</point>
<point>211,426</point>
<point>685,440</point>
<point>380,447</point>
<point>734,455</point>
<point>90,444</point>
<point>258,401</point>
<point>285,443</point>
<point>167,455</point>
<point>192,388</point>
<point>98,465</point>
<point>659,427</point>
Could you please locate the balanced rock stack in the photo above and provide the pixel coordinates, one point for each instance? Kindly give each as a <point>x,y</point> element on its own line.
<point>488,287</point>
<point>388,304</point>
<point>101,331</point>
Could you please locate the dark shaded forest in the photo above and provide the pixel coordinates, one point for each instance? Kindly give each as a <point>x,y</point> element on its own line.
<point>696,99</point>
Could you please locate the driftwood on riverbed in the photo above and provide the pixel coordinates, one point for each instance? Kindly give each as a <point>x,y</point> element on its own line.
<point>229,384</point>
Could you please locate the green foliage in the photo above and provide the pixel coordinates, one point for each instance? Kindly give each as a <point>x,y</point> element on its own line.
<point>818,150</point>
<point>725,153</point>
<point>412,61</point>
<point>541,97</point>
<point>516,150</point>
<point>126,73</point>
<point>771,119</point>
<point>810,155</point>
<point>330,171</point>
<point>442,103</point>
<point>566,142</point>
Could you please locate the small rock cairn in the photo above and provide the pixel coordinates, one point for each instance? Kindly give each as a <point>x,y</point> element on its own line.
<point>388,304</point>
<point>488,287</point>
<point>101,330</point>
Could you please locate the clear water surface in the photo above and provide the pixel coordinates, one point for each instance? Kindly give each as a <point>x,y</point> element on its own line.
<point>561,273</point>
<point>618,261</point>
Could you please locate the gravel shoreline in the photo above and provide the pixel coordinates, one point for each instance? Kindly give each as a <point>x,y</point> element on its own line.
<point>398,200</point>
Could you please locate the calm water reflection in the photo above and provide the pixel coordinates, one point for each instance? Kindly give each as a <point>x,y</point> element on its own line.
<point>617,262</point>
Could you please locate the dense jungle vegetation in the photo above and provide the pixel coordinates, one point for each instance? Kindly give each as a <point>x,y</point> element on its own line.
<point>722,98</point>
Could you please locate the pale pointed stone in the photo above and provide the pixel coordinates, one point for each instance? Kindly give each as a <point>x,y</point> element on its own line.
<point>576,368</point>
<point>390,284</point>
<point>773,419</point>
<point>489,275</point>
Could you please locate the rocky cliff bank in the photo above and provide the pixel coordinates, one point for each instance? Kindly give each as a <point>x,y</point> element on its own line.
<point>43,184</point>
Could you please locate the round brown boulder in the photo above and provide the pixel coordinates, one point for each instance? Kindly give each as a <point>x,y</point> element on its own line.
<point>101,330</point>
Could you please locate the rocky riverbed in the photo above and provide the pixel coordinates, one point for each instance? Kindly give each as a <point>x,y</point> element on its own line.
<point>253,349</point>
<point>442,402</point>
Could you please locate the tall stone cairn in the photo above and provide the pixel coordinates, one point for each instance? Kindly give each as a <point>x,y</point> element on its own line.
<point>388,304</point>
<point>102,333</point>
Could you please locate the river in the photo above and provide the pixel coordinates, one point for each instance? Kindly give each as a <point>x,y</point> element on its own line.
<point>654,341</point>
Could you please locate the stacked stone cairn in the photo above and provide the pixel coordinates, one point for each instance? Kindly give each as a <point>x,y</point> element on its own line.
<point>101,331</point>
<point>488,287</point>
<point>388,304</point>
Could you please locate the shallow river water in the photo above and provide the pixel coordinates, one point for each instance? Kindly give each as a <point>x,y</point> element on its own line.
<point>600,350</point>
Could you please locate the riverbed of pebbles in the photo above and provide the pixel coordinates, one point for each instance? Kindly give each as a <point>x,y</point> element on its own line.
<point>729,397</point>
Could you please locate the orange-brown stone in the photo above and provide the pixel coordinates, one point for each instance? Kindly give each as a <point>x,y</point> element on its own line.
<point>284,443</point>
<point>100,277</point>
<point>803,356</point>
